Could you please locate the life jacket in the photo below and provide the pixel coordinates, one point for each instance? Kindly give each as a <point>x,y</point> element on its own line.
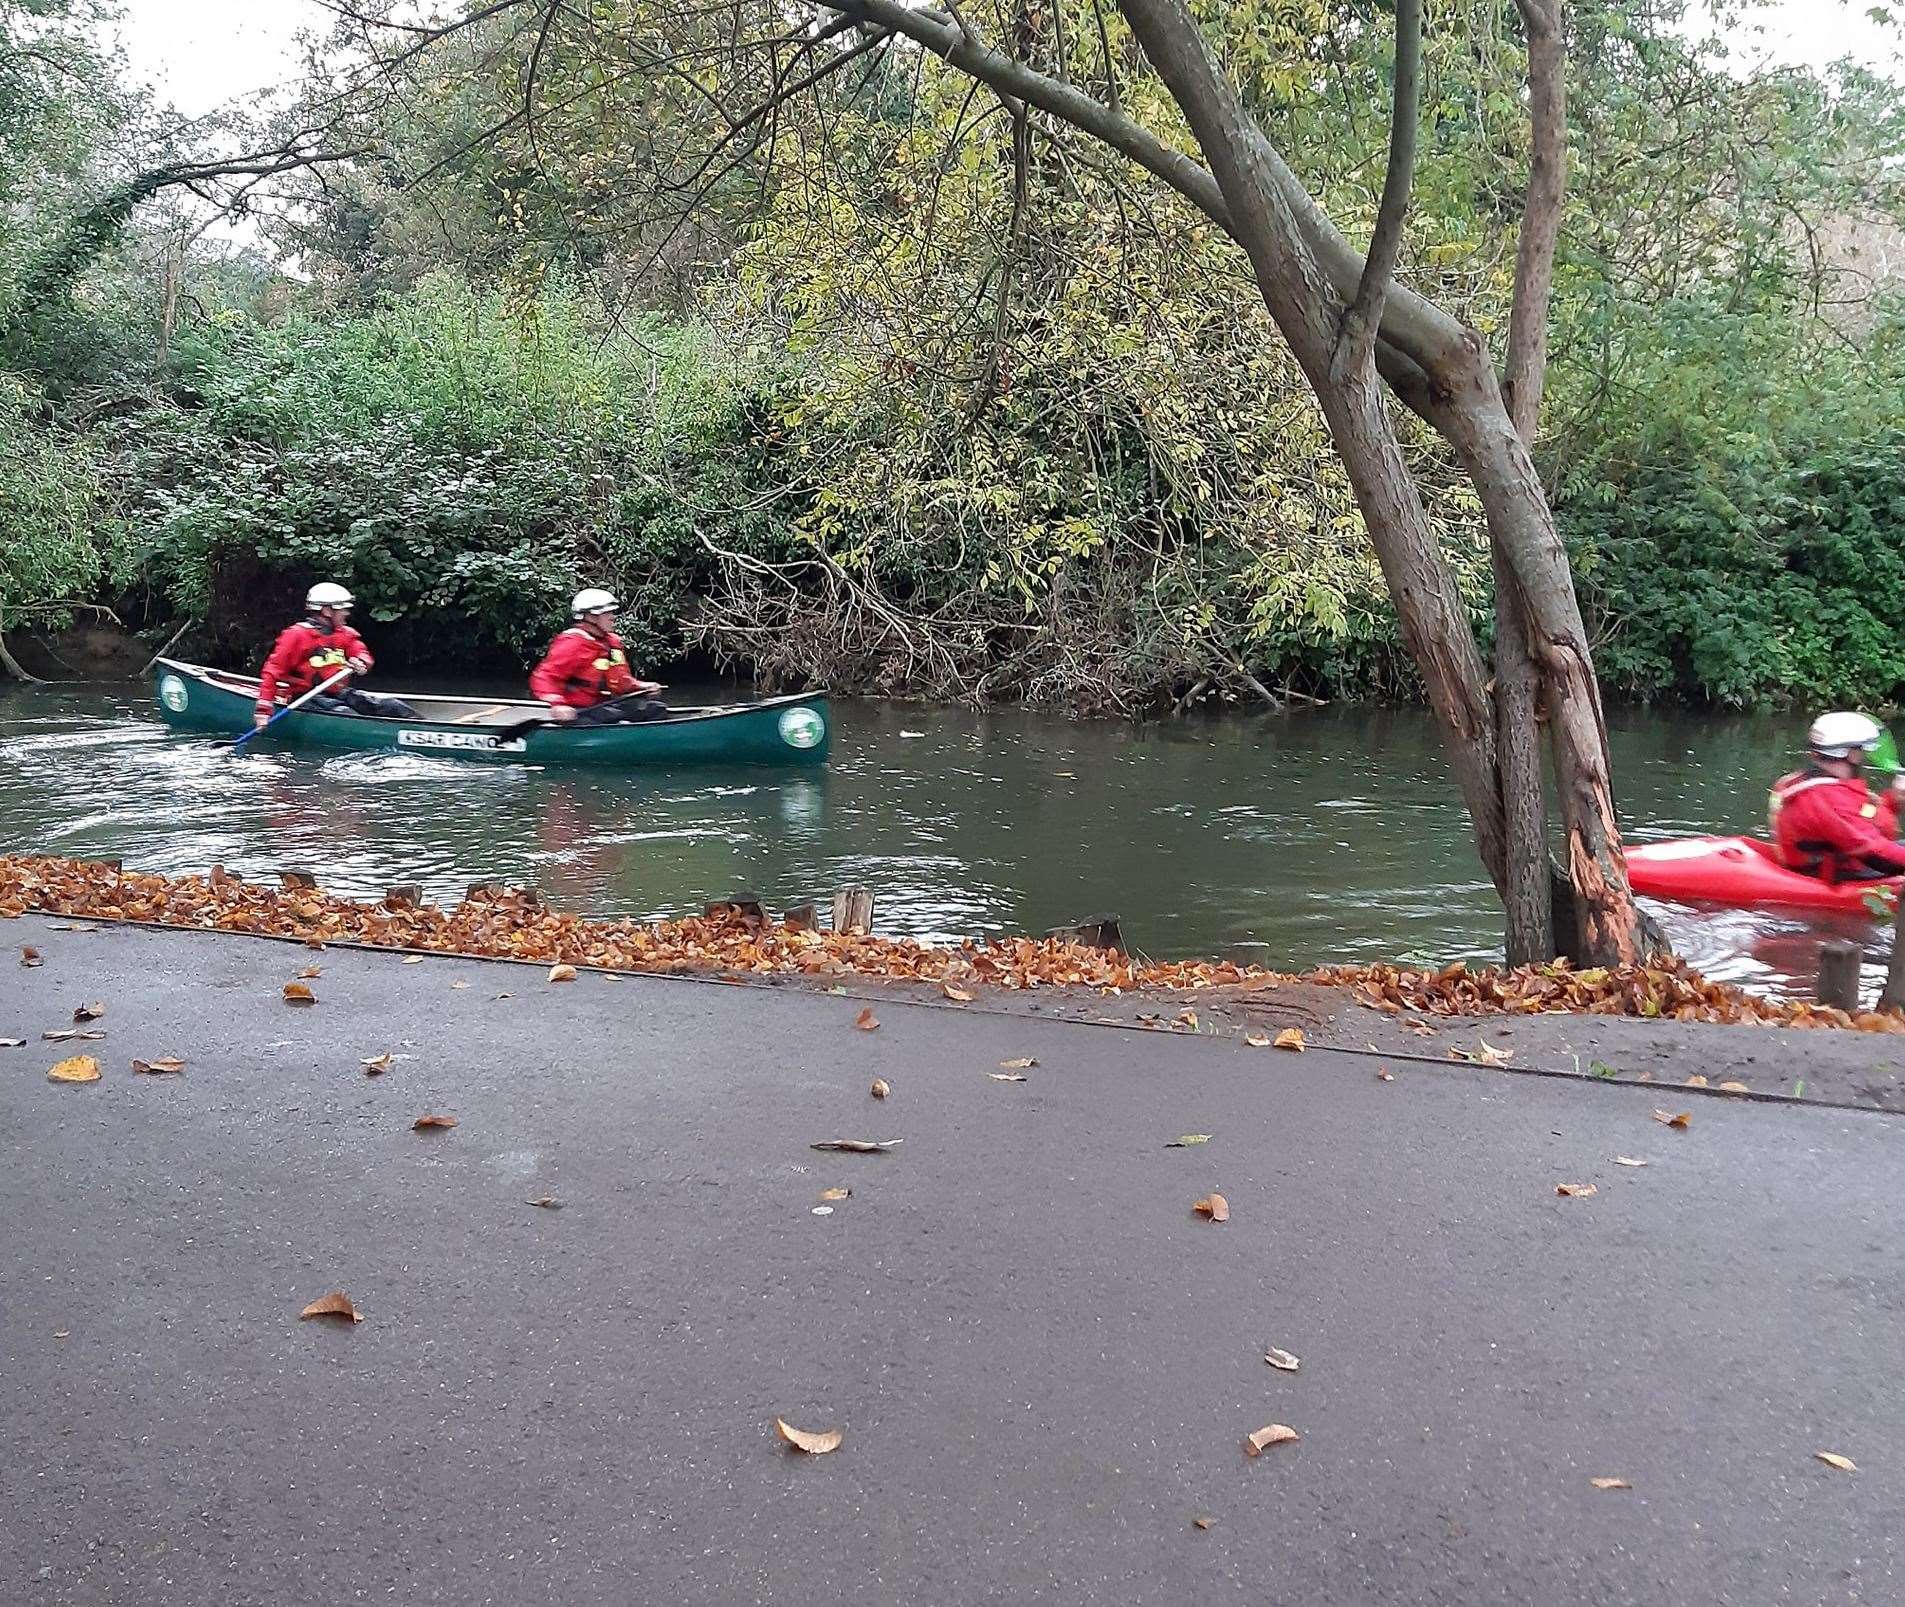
<point>597,677</point>
<point>1810,857</point>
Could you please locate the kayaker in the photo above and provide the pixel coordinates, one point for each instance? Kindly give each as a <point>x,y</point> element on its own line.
<point>586,667</point>
<point>1826,822</point>
<point>312,651</point>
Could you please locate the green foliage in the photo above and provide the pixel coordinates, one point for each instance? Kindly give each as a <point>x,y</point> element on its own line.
<point>48,492</point>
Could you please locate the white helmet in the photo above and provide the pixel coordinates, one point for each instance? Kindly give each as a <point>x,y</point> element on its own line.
<point>593,600</point>
<point>1836,735</point>
<point>328,594</point>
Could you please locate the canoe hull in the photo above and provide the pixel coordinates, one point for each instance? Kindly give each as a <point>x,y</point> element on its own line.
<point>1742,872</point>
<point>777,731</point>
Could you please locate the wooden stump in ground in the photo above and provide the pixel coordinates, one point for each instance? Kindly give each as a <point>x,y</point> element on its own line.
<point>1892,996</point>
<point>293,881</point>
<point>853,910</point>
<point>747,906</point>
<point>479,890</point>
<point>1839,963</point>
<point>1094,932</point>
<point>801,918</point>
<point>404,896</point>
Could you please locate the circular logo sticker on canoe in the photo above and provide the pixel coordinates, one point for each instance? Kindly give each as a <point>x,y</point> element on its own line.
<point>802,728</point>
<point>172,693</point>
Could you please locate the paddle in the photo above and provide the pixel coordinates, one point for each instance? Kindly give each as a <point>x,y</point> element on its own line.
<point>322,686</point>
<point>522,728</point>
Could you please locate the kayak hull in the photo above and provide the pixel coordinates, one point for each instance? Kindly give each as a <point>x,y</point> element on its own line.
<point>1743,872</point>
<point>794,731</point>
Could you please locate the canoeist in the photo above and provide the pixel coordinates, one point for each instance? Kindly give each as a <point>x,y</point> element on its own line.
<point>1826,822</point>
<point>585,678</point>
<point>314,649</point>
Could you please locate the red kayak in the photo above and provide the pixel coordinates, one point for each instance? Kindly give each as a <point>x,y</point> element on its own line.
<point>1742,871</point>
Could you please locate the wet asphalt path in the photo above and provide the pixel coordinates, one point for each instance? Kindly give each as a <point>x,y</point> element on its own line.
<point>1043,1362</point>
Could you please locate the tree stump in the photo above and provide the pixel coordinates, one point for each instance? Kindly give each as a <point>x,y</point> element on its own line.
<point>801,918</point>
<point>853,911</point>
<point>1094,932</point>
<point>293,881</point>
<point>745,906</point>
<point>1892,996</point>
<point>1839,963</point>
<point>405,896</point>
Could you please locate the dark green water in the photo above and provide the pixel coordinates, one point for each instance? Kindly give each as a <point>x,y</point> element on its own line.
<point>1326,835</point>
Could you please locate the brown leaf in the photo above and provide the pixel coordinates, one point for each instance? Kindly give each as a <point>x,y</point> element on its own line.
<point>562,973</point>
<point>413,959</point>
<point>1006,1076</point>
<point>1188,1140</point>
<point>1187,1018</point>
<point>1833,1459</point>
<point>30,956</point>
<point>1024,1063</point>
<point>866,1020</point>
<point>836,1194</point>
<point>1610,1484</point>
<point>377,1065</point>
<point>1271,1434</point>
<point>298,993</point>
<point>1734,1088</point>
<point>311,973</point>
<point>805,1440</point>
<point>425,1124</point>
<point>1668,1119</point>
<point>881,1088</point>
<point>80,1068</point>
<point>1214,1206</point>
<point>1291,1038</point>
<point>1627,1160</point>
<point>336,1304</point>
<point>857,1146</point>
<point>153,1068</point>
<point>1576,1191</point>
<point>1257,1040</point>
<point>1200,1523</point>
<point>1282,1360</point>
<point>1384,1074</point>
<point>68,1034</point>
<point>547,1202</point>
<point>90,1011</point>
<point>1695,1081</point>
<point>12,1043</point>
<point>957,995</point>
<point>459,983</point>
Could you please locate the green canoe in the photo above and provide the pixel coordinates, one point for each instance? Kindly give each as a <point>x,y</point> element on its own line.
<point>782,730</point>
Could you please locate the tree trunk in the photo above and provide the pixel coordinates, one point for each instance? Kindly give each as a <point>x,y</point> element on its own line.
<point>1526,899</point>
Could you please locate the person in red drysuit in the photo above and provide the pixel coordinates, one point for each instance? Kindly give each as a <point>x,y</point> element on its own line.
<point>1826,822</point>
<point>584,678</point>
<point>314,649</point>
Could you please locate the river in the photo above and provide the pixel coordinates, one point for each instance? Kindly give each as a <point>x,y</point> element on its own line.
<point>1326,835</point>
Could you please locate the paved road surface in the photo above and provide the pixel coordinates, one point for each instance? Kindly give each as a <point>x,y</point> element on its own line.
<point>1044,1364</point>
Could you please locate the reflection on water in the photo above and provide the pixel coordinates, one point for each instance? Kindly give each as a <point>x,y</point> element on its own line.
<point>1326,835</point>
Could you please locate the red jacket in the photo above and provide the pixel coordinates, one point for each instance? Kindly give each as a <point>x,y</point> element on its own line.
<point>582,669</point>
<point>1826,826</point>
<point>306,654</point>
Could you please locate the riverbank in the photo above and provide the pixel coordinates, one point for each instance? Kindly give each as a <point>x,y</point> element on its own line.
<point>586,1303</point>
<point>1661,1025</point>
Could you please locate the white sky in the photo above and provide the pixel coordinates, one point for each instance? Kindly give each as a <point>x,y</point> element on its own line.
<point>200,54</point>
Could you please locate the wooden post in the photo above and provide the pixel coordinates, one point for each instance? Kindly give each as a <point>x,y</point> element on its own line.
<point>801,918</point>
<point>853,910</point>
<point>1892,997</point>
<point>296,880</point>
<point>745,905</point>
<point>1839,963</point>
<point>1094,932</point>
<point>405,896</point>
<point>484,890</point>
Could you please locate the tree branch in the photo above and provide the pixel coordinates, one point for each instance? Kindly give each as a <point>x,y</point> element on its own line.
<point>1525,370</point>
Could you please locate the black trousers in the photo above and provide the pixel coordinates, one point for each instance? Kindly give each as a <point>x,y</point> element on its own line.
<point>352,701</point>
<point>630,711</point>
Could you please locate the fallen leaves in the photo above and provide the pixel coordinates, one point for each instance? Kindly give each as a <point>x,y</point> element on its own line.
<point>428,1124</point>
<point>1257,1040</point>
<point>1186,1140</point>
<point>1384,1074</point>
<point>377,1065</point>
<point>1007,1076</point>
<point>1734,1088</point>
<point>12,1043</point>
<point>299,993</point>
<point>163,1066</point>
<point>1576,1191</point>
<point>866,1020</point>
<point>335,1304</point>
<point>836,1194</point>
<point>1282,1360</point>
<point>1668,1119</point>
<point>562,973</point>
<point>1833,1459</point>
<point>957,995</point>
<point>1610,1484</point>
<point>30,956</point>
<point>805,1440</point>
<point>1201,1523</point>
<point>69,1034</point>
<point>1270,1434</point>
<point>857,1146</point>
<point>1214,1206</point>
<point>413,959</point>
<point>546,1202</point>
<point>80,1068</point>
<point>1023,1063</point>
<point>881,1088</point>
<point>1483,1054</point>
<point>1290,1038</point>
<point>311,973</point>
<point>90,1011</point>
<point>1628,1160</point>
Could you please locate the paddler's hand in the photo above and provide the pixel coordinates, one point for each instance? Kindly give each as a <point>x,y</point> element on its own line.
<point>646,687</point>
<point>357,666</point>
<point>561,713</point>
<point>260,718</point>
